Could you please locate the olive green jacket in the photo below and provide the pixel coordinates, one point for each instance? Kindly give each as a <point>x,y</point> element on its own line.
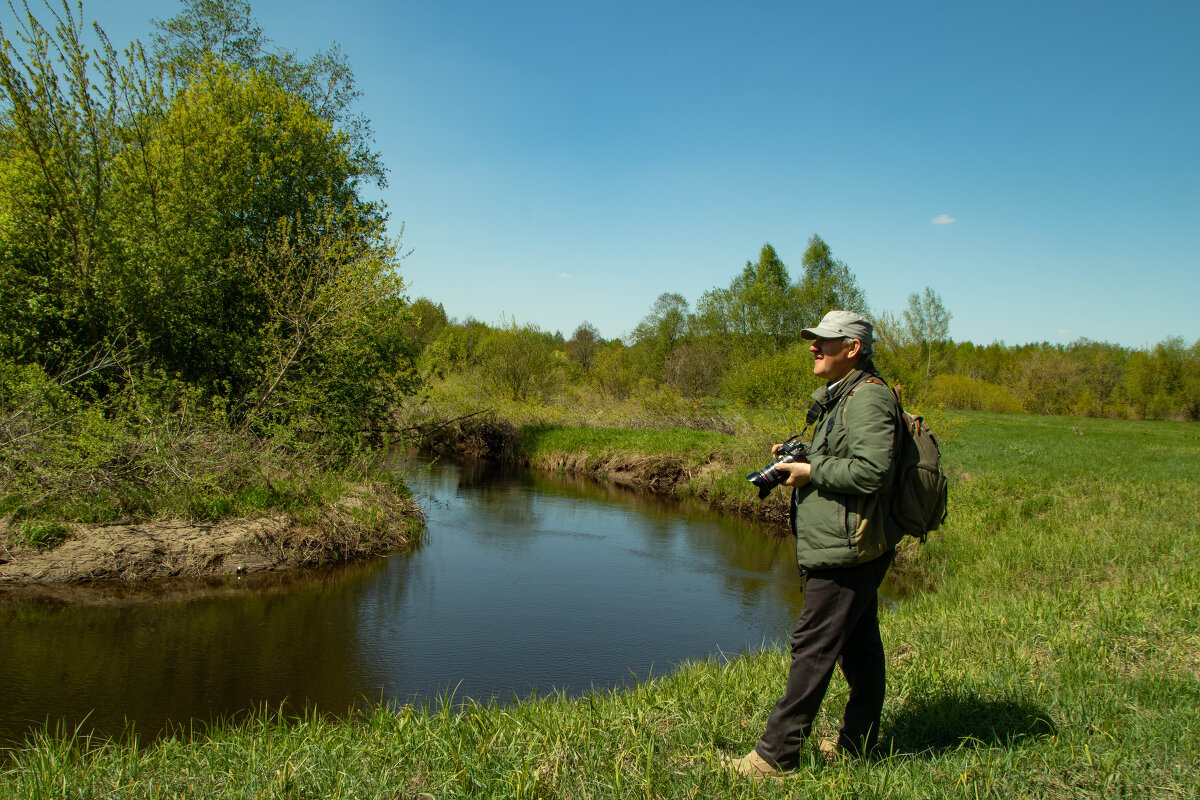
<point>840,518</point>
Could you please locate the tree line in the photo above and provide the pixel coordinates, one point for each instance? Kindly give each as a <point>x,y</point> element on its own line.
<point>741,344</point>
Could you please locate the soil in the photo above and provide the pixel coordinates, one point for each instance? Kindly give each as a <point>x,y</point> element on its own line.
<point>145,552</point>
<point>666,475</point>
<point>369,521</point>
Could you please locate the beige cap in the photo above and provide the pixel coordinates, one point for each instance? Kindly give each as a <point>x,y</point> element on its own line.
<point>841,323</point>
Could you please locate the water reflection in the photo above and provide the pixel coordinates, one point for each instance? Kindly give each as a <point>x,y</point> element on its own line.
<point>524,583</point>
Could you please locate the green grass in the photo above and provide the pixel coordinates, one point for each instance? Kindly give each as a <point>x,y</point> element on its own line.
<point>687,444</point>
<point>41,534</point>
<point>1057,656</point>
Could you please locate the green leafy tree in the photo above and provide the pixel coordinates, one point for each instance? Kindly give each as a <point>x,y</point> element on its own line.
<point>520,361</point>
<point>760,309</point>
<point>233,154</point>
<point>429,320</point>
<point>60,135</point>
<point>927,326</point>
<point>661,330</point>
<point>583,345</point>
<point>180,216</point>
<point>225,31</point>
<point>827,284</point>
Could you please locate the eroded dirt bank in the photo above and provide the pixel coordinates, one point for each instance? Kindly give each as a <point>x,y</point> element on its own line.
<point>370,521</point>
<point>664,475</point>
<point>672,476</point>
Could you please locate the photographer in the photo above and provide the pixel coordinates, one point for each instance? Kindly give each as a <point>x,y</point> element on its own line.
<point>845,542</point>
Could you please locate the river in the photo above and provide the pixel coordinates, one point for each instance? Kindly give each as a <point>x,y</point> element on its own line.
<point>522,583</point>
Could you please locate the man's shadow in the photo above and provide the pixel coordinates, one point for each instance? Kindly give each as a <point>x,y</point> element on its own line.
<point>932,725</point>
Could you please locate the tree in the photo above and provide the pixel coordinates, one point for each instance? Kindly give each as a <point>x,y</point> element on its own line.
<point>927,325</point>
<point>333,343</point>
<point>827,284</point>
<point>429,319</point>
<point>231,156</point>
<point>224,31</point>
<point>220,29</point>
<point>660,330</point>
<point>583,345</point>
<point>519,360</point>
<point>60,134</point>
<point>185,219</point>
<point>758,311</point>
<point>695,368</point>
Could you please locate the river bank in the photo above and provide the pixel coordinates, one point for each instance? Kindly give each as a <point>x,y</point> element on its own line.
<point>1057,659</point>
<point>369,519</point>
<point>672,462</point>
<point>375,518</point>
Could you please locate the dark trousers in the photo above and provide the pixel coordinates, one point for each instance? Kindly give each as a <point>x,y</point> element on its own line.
<point>839,623</point>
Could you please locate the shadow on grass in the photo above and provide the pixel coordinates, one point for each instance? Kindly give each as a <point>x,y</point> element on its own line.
<point>936,724</point>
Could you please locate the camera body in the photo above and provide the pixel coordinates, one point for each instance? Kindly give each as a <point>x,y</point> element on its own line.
<point>769,476</point>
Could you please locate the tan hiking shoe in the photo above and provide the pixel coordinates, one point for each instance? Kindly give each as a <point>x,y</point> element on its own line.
<point>830,750</point>
<point>753,765</point>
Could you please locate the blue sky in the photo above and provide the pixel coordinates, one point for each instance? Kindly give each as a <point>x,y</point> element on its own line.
<point>1037,164</point>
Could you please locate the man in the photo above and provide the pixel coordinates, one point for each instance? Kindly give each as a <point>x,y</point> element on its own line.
<point>845,541</point>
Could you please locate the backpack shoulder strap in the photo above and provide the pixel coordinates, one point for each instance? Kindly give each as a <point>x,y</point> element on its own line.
<point>846,400</point>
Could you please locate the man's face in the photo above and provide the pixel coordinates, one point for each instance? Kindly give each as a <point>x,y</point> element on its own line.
<point>833,359</point>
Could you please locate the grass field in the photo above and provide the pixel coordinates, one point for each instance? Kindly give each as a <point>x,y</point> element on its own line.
<point>1056,656</point>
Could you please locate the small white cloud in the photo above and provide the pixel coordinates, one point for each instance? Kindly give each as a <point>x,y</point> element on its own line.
<point>942,219</point>
<point>564,276</point>
<point>1063,331</point>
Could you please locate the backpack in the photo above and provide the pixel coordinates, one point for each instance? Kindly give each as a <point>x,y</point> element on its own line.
<point>918,494</point>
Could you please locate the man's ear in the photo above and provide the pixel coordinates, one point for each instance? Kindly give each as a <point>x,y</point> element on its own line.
<point>854,348</point>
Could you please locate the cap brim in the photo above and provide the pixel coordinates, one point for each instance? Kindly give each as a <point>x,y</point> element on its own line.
<point>820,333</point>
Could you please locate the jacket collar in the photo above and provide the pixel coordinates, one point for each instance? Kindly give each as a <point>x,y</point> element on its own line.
<point>828,399</point>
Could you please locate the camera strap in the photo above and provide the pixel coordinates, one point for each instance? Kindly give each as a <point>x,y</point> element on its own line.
<point>814,412</point>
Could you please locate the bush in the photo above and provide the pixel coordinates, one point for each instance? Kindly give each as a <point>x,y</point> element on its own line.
<point>155,448</point>
<point>967,394</point>
<point>695,368</point>
<point>521,362</point>
<point>778,380</point>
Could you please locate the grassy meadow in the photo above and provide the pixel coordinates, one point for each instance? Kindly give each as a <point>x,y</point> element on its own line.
<point>1055,653</point>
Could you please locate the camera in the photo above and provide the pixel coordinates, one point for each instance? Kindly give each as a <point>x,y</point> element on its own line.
<point>769,477</point>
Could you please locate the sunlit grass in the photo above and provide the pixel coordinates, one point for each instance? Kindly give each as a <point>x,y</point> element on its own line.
<point>1056,656</point>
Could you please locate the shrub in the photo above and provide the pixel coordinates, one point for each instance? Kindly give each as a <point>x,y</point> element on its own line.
<point>520,361</point>
<point>780,380</point>
<point>695,368</point>
<point>968,394</point>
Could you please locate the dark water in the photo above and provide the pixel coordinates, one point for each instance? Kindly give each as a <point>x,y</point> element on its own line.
<point>522,584</point>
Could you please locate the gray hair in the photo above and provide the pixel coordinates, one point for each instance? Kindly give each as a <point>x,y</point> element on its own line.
<point>866,350</point>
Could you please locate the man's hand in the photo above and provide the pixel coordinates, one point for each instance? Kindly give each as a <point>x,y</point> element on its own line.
<point>799,472</point>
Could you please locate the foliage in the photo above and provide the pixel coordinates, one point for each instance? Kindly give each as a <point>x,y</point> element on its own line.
<point>779,380</point>
<point>695,369</point>
<point>520,361</point>
<point>223,30</point>
<point>157,448</point>
<point>760,311</point>
<point>583,345</point>
<point>968,394</point>
<point>201,209</point>
<point>740,346</point>
<point>827,284</point>
<point>661,330</point>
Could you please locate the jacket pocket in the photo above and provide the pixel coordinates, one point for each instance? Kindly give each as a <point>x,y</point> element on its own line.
<point>865,533</point>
